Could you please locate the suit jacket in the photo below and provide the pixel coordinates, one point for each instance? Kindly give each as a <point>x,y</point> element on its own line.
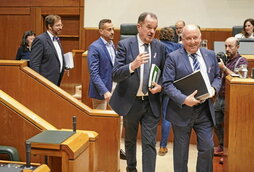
<point>175,39</point>
<point>177,66</point>
<point>100,67</point>
<point>126,90</point>
<point>44,58</point>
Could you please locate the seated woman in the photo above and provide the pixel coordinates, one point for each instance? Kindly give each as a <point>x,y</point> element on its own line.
<point>24,50</point>
<point>248,29</point>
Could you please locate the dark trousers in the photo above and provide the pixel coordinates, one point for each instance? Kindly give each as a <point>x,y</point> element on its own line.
<point>219,116</point>
<point>142,114</point>
<point>203,126</point>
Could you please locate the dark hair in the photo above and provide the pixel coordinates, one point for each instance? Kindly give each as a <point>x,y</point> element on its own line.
<point>24,42</point>
<point>51,19</point>
<point>103,21</point>
<point>247,20</point>
<point>167,34</point>
<point>142,16</point>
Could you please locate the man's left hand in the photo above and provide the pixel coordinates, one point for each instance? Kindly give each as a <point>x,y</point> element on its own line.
<point>156,88</point>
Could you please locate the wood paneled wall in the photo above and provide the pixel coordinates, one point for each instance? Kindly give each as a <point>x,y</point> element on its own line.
<point>92,34</point>
<point>17,16</point>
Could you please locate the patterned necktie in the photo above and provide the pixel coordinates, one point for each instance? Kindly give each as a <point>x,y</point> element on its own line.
<point>196,65</point>
<point>146,72</point>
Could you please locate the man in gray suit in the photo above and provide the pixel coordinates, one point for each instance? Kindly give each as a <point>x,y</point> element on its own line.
<point>47,54</point>
<point>185,112</point>
<point>137,103</point>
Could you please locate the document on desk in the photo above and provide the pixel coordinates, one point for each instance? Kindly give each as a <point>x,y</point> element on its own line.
<point>154,75</point>
<point>192,82</point>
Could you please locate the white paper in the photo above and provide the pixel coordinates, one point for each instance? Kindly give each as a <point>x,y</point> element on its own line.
<point>68,59</point>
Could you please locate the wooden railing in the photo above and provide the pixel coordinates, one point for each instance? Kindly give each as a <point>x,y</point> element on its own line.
<point>57,107</point>
<point>18,121</point>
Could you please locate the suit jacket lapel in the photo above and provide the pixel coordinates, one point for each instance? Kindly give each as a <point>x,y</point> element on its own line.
<point>186,60</point>
<point>135,51</point>
<point>206,58</point>
<point>106,51</point>
<point>53,47</point>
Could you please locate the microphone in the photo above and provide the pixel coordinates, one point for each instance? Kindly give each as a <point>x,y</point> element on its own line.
<point>74,123</point>
<point>28,154</point>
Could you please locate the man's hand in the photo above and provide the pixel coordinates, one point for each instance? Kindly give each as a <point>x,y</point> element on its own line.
<point>107,96</point>
<point>190,100</point>
<point>156,88</point>
<point>139,60</point>
<point>221,64</point>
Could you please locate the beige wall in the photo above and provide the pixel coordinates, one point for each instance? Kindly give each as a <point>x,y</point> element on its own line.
<point>206,13</point>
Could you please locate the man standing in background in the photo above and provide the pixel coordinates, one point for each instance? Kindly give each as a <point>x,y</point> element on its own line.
<point>179,29</point>
<point>101,57</point>
<point>47,53</point>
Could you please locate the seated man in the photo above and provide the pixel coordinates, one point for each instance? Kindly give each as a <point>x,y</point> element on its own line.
<point>234,61</point>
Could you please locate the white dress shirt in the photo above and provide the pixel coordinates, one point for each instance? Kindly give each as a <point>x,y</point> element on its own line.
<point>58,50</point>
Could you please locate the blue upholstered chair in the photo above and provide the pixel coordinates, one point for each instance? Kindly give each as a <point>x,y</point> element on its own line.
<point>236,30</point>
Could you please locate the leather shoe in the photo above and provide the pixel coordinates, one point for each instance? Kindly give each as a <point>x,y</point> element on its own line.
<point>163,151</point>
<point>122,155</point>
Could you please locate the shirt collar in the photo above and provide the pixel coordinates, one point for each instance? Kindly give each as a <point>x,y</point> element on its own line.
<point>198,53</point>
<point>140,42</point>
<point>50,34</point>
<point>110,43</point>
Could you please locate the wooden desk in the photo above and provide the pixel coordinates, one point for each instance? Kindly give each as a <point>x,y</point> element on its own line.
<point>14,166</point>
<point>73,151</point>
<point>239,125</point>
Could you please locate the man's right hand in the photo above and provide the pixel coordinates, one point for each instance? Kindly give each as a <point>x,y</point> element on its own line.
<point>191,100</point>
<point>107,96</point>
<point>139,60</point>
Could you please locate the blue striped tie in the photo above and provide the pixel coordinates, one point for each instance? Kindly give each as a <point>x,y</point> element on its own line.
<point>196,65</point>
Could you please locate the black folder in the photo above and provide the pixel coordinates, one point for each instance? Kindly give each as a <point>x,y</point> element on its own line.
<point>192,82</point>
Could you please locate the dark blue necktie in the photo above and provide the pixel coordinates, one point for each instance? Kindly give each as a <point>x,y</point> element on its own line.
<point>146,72</point>
<point>196,65</point>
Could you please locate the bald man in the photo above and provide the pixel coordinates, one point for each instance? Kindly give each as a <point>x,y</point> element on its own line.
<point>185,112</point>
<point>234,61</point>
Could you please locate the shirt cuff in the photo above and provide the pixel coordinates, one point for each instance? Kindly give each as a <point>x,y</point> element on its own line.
<point>131,71</point>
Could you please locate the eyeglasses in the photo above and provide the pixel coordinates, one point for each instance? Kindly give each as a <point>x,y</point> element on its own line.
<point>59,25</point>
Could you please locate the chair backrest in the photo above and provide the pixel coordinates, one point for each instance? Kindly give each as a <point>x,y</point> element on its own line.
<point>236,30</point>
<point>128,30</point>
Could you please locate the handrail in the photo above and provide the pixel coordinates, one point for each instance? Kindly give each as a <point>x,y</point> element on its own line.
<point>24,112</point>
<point>57,90</point>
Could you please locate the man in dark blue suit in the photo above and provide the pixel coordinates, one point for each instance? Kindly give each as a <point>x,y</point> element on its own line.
<point>101,57</point>
<point>132,98</point>
<point>47,53</point>
<point>185,112</point>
